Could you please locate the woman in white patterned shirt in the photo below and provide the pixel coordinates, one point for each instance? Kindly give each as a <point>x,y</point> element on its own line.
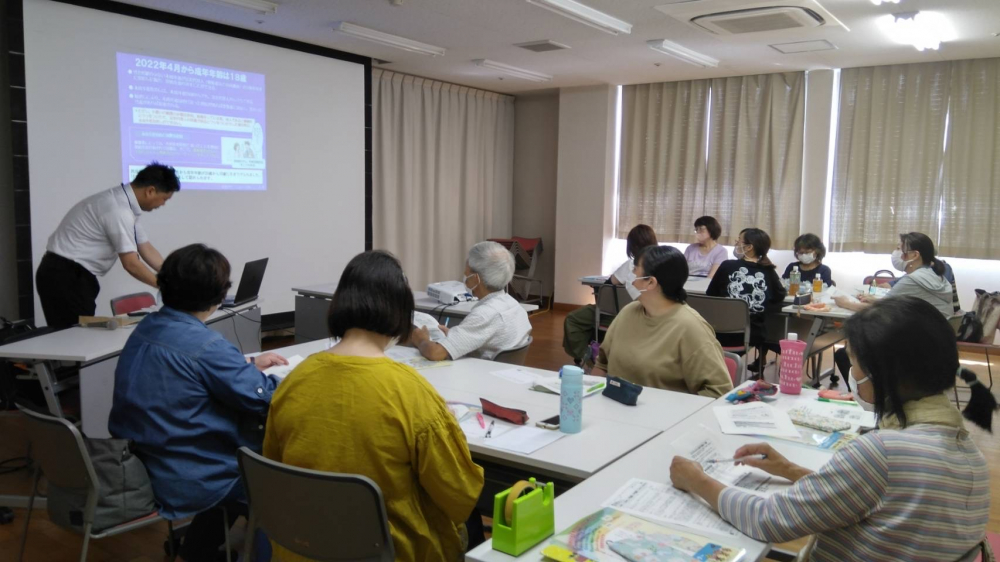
<point>916,490</point>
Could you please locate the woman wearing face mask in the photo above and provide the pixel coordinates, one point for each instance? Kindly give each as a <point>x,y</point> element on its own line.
<point>351,409</point>
<point>917,489</point>
<point>706,255</point>
<point>750,277</point>
<point>578,328</point>
<point>924,279</point>
<point>659,340</point>
<point>810,251</point>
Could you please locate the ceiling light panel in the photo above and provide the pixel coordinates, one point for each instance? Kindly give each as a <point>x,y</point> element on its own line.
<point>514,71</point>
<point>259,6</point>
<point>683,53</point>
<point>586,15</point>
<point>922,30</point>
<point>804,47</point>
<point>387,39</point>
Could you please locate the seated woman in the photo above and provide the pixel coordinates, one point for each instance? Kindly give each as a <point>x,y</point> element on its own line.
<point>925,279</point>
<point>810,251</point>
<point>925,276</point>
<point>496,322</point>
<point>351,409</point>
<point>578,328</point>
<point>916,489</point>
<point>659,340</point>
<point>751,277</point>
<point>188,399</point>
<point>706,255</point>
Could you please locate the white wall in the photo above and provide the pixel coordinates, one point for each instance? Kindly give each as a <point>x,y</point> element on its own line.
<point>536,151</point>
<point>584,189</point>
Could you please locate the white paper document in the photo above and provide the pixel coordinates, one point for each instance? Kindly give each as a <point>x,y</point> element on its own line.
<point>473,430</point>
<point>755,418</point>
<point>524,440</point>
<point>702,447</point>
<point>281,371</point>
<point>663,503</point>
<point>411,356</point>
<point>424,320</point>
<point>516,375</point>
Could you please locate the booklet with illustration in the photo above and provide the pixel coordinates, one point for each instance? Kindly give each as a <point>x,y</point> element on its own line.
<point>611,535</point>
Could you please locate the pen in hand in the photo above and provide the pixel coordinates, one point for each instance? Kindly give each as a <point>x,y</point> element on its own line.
<point>759,457</point>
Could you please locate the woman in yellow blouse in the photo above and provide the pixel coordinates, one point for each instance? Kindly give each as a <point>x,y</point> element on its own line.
<point>353,410</point>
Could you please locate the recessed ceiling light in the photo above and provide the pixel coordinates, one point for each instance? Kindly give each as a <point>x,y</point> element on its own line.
<point>387,39</point>
<point>923,30</point>
<point>880,2</point>
<point>804,47</point>
<point>586,15</point>
<point>522,73</point>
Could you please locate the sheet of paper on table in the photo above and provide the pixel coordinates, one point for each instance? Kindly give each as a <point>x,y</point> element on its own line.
<point>665,504</point>
<point>703,446</point>
<point>755,418</point>
<point>516,375</point>
<point>524,439</point>
<point>281,371</point>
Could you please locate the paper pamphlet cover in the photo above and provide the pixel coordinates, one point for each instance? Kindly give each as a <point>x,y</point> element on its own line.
<point>612,535</point>
<point>552,385</point>
<point>665,504</point>
<point>755,418</point>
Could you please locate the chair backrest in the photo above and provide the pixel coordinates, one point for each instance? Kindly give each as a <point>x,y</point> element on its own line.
<point>515,356</point>
<point>131,303</point>
<point>58,448</point>
<point>725,315</point>
<point>611,299</point>
<point>733,363</point>
<point>319,515</point>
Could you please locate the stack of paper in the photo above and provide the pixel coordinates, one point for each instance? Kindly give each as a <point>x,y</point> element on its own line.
<point>424,320</point>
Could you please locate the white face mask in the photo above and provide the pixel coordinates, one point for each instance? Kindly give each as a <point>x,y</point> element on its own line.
<point>806,259</point>
<point>867,406</point>
<point>638,279</point>
<point>392,343</point>
<point>898,262</point>
<point>738,252</point>
<point>466,278</point>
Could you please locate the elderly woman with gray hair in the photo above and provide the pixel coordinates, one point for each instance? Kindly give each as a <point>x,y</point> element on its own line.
<point>497,322</point>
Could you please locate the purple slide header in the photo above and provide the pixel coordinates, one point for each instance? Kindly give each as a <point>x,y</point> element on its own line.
<point>205,121</point>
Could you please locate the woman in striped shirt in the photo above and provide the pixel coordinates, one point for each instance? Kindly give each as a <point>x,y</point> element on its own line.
<point>917,489</point>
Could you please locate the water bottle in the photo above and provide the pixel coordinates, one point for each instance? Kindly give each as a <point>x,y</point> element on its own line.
<point>794,280</point>
<point>571,400</point>
<point>790,377</point>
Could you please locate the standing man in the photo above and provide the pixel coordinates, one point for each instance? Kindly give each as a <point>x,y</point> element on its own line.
<point>94,233</point>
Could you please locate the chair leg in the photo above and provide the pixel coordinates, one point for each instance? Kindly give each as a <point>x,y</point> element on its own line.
<point>27,517</point>
<point>248,540</point>
<point>87,527</point>
<point>225,522</point>
<point>172,549</point>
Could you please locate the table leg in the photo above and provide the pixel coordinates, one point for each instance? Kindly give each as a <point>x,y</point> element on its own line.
<point>43,370</point>
<point>597,314</point>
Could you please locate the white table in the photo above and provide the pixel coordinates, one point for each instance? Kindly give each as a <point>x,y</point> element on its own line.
<point>95,352</point>
<point>652,462</point>
<point>610,430</point>
<point>312,303</point>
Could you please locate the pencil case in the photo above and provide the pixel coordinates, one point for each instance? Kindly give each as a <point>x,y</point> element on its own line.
<point>621,390</point>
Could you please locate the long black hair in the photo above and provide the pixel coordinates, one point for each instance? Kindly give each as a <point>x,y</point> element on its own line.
<point>908,350</point>
<point>761,243</point>
<point>670,268</point>
<point>923,245</point>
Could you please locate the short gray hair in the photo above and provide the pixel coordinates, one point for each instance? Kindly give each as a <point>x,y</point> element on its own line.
<point>493,263</point>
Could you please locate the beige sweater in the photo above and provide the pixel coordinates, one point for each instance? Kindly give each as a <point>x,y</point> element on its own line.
<point>677,351</point>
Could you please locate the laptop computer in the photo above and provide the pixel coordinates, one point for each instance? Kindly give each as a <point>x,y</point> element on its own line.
<point>253,275</point>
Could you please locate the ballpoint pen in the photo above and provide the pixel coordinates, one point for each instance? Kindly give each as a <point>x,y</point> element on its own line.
<point>489,432</point>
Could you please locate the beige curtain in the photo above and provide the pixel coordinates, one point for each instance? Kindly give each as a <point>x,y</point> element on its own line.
<point>755,155</point>
<point>662,180</point>
<point>748,172</point>
<point>443,172</point>
<point>889,155</point>
<point>970,226</point>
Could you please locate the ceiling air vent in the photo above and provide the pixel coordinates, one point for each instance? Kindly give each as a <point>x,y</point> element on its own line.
<point>542,46</point>
<point>756,20</point>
